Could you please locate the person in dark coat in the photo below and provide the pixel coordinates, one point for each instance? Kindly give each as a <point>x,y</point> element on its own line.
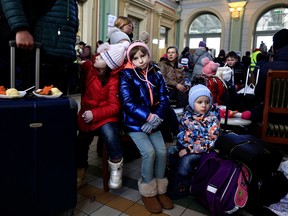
<point>246,59</point>
<point>187,54</point>
<point>186,60</point>
<point>280,62</point>
<point>221,58</point>
<point>54,24</point>
<point>239,72</point>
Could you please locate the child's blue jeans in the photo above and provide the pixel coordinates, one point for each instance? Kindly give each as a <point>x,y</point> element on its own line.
<point>184,165</point>
<point>153,151</point>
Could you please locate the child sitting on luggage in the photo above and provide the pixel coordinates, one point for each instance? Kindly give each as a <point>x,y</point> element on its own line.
<point>100,108</point>
<point>199,129</point>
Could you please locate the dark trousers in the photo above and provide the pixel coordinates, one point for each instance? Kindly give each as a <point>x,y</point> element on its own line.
<point>110,136</point>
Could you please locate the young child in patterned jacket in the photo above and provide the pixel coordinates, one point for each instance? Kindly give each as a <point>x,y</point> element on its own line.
<point>199,129</point>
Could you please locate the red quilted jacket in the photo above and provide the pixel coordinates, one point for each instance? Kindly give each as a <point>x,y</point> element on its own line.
<point>103,101</point>
<point>217,89</point>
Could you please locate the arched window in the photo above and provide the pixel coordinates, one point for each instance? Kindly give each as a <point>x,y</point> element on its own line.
<point>206,27</point>
<point>269,23</point>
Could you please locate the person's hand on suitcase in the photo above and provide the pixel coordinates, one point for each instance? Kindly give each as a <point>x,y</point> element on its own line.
<point>87,116</point>
<point>24,40</point>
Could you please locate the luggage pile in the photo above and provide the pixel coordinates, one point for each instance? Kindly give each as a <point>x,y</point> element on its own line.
<point>243,173</point>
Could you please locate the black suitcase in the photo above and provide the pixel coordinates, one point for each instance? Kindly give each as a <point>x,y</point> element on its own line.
<point>37,156</point>
<point>262,158</point>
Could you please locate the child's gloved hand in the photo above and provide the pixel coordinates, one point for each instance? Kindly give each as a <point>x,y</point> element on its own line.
<point>147,127</point>
<point>154,120</point>
<point>87,116</point>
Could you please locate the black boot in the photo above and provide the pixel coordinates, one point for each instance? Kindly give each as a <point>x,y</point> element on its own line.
<point>179,188</point>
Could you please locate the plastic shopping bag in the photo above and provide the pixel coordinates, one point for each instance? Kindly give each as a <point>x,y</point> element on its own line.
<point>224,73</point>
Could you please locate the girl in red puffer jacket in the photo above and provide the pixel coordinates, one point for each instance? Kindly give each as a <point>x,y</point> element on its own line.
<point>100,108</point>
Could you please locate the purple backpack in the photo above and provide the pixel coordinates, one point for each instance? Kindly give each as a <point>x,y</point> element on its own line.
<point>220,184</point>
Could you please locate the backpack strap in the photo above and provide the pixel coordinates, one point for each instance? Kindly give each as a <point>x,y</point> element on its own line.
<point>196,60</point>
<point>224,172</point>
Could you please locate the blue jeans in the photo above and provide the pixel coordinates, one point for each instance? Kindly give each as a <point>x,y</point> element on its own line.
<point>184,165</point>
<point>110,136</point>
<point>153,151</point>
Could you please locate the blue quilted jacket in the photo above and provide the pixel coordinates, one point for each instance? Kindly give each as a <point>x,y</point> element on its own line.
<point>135,97</point>
<point>53,25</point>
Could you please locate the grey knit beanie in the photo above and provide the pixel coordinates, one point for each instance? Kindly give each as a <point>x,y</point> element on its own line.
<point>197,91</point>
<point>117,36</point>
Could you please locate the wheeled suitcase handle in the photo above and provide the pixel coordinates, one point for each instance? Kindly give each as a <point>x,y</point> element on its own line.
<point>248,74</point>
<point>12,45</point>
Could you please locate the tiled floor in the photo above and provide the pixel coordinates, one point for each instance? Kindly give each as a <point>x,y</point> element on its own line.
<point>92,200</point>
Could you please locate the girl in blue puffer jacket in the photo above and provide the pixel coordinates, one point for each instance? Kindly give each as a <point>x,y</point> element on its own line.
<point>145,102</point>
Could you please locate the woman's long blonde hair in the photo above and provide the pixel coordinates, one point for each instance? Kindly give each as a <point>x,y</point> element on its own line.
<point>122,21</point>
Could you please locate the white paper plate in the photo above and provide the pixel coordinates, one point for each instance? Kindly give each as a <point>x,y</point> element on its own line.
<point>47,96</point>
<point>21,94</point>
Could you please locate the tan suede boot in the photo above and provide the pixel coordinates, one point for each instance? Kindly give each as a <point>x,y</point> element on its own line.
<point>149,196</point>
<point>81,178</point>
<point>164,200</point>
